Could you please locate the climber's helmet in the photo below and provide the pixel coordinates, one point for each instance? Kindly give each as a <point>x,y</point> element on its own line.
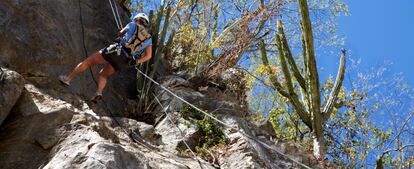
<point>141,18</point>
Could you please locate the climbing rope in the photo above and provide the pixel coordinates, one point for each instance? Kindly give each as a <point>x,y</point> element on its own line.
<point>117,19</point>
<point>113,117</point>
<point>221,122</point>
<point>164,109</point>
<point>131,134</point>
<point>135,137</point>
<point>116,14</point>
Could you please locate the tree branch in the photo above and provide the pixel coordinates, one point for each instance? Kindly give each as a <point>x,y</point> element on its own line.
<point>327,110</point>
<point>397,149</point>
<point>257,78</point>
<point>380,162</point>
<point>402,129</point>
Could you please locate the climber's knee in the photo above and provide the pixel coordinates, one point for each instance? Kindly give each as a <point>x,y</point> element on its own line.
<point>108,70</point>
<point>95,59</point>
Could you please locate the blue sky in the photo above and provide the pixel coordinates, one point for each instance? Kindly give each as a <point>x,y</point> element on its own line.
<point>379,31</point>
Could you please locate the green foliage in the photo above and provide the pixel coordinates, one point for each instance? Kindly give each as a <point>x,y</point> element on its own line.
<point>210,133</point>
<point>258,117</point>
<point>282,125</point>
<point>134,5</point>
<point>191,47</point>
<point>358,135</point>
<point>188,112</point>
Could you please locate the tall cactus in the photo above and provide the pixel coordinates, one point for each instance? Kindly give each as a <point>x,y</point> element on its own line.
<point>161,41</point>
<point>309,107</point>
<point>158,48</point>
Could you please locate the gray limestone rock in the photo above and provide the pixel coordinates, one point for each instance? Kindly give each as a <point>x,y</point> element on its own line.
<point>10,89</point>
<point>172,139</point>
<point>42,39</point>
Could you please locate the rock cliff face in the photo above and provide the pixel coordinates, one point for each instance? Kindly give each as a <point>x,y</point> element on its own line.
<point>41,39</point>
<point>46,125</point>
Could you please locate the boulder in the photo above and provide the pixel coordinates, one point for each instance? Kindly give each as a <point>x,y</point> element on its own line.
<point>33,127</point>
<point>244,152</point>
<point>46,131</point>
<point>25,142</point>
<point>172,137</point>
<point>85,148</point>
<point>99,143</point>
<point>10,89</point>
<point>205,102</point>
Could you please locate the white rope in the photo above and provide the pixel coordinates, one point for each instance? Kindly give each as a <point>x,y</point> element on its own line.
<point>221,122</point>
<point>113,13</point>
<point>119,18</point>
<point>172,122</point>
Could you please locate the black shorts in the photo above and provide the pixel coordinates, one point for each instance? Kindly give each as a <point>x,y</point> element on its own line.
<point>118,62</point>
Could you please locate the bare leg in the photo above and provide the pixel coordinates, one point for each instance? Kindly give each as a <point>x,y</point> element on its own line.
<point>107,71</point>
<point>93,59</point>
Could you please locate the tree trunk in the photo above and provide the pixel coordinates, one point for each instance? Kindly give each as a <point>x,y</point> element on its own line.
<point>319,150</point>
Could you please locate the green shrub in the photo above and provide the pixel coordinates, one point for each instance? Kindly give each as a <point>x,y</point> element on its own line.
<point>210,133</point>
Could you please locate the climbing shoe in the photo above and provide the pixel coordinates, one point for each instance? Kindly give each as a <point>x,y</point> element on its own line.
<point>96,97</point>
<point>64,80</point>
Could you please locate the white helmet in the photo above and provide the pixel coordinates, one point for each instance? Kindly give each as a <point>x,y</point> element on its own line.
<point>141,16</point>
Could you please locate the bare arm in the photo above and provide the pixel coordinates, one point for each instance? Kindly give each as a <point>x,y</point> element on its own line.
<point>147,57</point>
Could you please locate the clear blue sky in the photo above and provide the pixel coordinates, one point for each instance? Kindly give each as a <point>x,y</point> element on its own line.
<point>379,31</point>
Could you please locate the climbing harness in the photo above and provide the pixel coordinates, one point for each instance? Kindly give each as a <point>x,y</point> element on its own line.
<point>139,37</point>
<point>118,49</point>
<point>1,75</point>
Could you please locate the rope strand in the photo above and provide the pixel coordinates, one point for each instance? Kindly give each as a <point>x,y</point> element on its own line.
<point>223,123</point>
<point>136,138</point>
<point>113,13</point>
<point>164,109</point>
<point>117,14</point>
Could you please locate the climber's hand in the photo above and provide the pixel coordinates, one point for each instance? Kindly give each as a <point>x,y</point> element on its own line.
<point>137,63</point>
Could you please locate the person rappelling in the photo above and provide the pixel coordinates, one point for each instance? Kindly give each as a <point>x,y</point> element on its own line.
<point>132,46</point>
